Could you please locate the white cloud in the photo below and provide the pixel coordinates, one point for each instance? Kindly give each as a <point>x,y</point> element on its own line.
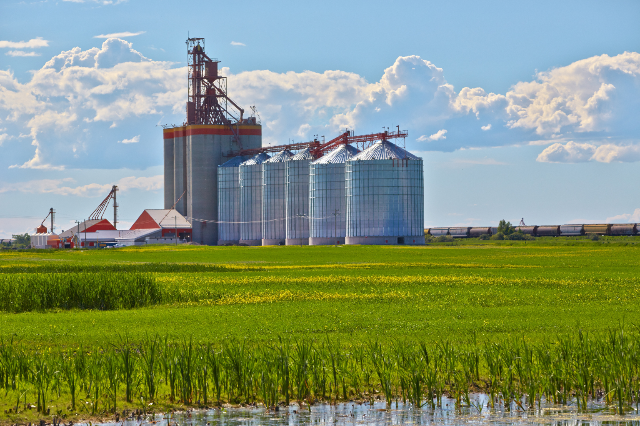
<point>120,35</point>
<point>76,89</point>
<point>134,139</point>
<point>609,153</point>
<point>21,53</point>
<point>440,134</point>
<point>237,43</point>
<point>34,43</point>
<point>62,186</point>
<point>570,152</point>
<point>625,217</point>
<point>487,127</point>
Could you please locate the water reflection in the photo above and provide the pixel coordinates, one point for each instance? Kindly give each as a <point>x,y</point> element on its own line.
<point>399,414</point>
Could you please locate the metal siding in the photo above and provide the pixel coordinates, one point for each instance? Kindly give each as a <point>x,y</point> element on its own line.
<point>273,197</point>
<point>168,173</point>
<point>250,173</point>
<point>547,231</point>
<point>601,229</point>
<point>327,194</point>
<point>625,229</point>
<point>384,197</point>
<point>297,197</point>
<point>229,200</point>
<point>571,230</point>
<point>180,174</point>
<point>203,157</point>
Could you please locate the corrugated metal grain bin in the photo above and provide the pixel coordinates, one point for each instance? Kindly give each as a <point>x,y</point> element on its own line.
<point>548,231</point>
<point>623,229</point>
<point>229,201</point>
<point>251,200</point>
<point>600,229</point>
<point>385,196</point>
<point>438,232</point>
<point>459,232</point>
<point>527,230</point>
<point>327,199</point>
<point>476,232</point>
<point>274,229</point>
<point>571,230</point>
<point>297,196</point>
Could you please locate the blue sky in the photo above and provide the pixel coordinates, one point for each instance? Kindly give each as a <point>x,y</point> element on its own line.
<point>518,109</point>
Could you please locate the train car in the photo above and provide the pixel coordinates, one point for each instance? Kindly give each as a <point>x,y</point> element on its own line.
<point>548,231</point>
<point>494,230</point>
<point>476,232</point>
<point>527,230</point>
<point>624,229</point>
<point>571,230</point>
<point>459,232</point>
<point>438,232</point>
<point>598,229</point>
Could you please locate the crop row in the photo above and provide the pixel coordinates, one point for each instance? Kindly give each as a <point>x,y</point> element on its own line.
<point>103,291</point>
<point>571,369</point>
<point>121,290</point>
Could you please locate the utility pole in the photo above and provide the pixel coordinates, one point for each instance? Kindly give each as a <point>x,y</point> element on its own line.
<point>335,224</point>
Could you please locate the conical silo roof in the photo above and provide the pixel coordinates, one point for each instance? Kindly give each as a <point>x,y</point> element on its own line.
<point>385,150</point>
<point>256,159</point>
<point>305,154</point>
<point>234,162</point>
<point>339,155</point>
<point>280,157</point>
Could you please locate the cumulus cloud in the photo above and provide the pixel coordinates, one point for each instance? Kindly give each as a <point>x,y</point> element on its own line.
<point>134,139</point>
<point>237,43</point>
<point>78,91</point>
<point>572,152</point>
<point>34,43</point>
<point>120,35</point>
<point>63,186</point>
<point>78,88</point>
<point>440,134</point>
<point>625,217</point>
<point>21,53</point>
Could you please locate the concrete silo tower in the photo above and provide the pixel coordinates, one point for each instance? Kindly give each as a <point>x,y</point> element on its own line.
<point>214,129</point>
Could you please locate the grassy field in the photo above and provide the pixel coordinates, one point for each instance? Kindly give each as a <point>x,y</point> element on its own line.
<point>417,293</point>
<point>391,314</point>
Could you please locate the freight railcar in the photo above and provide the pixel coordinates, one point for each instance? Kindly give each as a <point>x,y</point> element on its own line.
<point>571,230</point>
<point>459,232</point>
<point>475,232</point>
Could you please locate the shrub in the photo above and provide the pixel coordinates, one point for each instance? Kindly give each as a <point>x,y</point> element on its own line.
<point>516,236</point>
<point>498,236</point>
<point>485,237</point>
<point>444,239</point>
<point>505,228</point>
<point>593,237</point>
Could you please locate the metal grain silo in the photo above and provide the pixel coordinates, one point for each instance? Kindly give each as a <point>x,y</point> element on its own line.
<point>229,201</point>
<point>297,197</point>
<point>385,196</point>
<point>273,201</point>
<point>327,203</point>
<point>251,200</point>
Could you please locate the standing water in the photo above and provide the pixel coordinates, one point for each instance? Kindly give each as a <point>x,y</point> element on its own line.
<point>355,413</point>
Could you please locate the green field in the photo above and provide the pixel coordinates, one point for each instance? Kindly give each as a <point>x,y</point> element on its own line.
<point>454,302</point>
<point>419,293</point>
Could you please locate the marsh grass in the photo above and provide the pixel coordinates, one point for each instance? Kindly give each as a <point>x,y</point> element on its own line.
<point>571,369</point>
